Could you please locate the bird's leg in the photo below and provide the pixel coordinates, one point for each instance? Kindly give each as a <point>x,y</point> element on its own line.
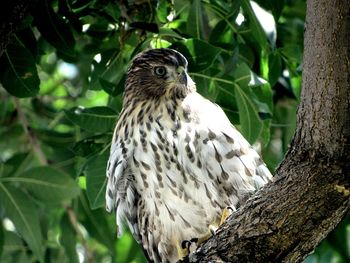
<point>184,248</point>
<point>213,227</point>
<point>226,213</point>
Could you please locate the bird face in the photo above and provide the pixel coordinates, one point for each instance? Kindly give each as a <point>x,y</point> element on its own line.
<point>156,73</point>
<point>169,74</point>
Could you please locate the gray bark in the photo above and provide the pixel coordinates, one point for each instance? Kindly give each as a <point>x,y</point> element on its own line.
<point>310,194</point>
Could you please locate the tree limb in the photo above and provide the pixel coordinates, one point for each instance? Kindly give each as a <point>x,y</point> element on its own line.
<point>31,137</point>
<point>310,193</point>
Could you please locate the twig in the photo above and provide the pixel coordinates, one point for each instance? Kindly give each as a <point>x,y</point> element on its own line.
<point>31,137</point>
<point>74,221</point>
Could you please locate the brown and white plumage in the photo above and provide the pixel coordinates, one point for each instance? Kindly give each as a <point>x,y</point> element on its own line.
<point>176,161</point>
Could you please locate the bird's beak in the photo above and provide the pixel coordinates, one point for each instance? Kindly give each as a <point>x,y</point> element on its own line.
<point>182,76</point>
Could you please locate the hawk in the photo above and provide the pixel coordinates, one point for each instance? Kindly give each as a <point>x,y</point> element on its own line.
<point>176,162</point>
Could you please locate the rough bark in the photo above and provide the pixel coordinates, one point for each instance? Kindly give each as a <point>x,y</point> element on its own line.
<point>311,192</point>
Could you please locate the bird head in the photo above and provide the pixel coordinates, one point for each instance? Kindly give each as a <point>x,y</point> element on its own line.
<point>155,73</point>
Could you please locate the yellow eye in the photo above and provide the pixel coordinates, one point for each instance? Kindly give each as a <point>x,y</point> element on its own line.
<point>160,71</point>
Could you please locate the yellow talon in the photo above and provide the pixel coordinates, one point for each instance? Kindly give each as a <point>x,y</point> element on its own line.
<point>342,189</point>
<point>225,214</point>
<point>181,252</point>
<point>183,247</point>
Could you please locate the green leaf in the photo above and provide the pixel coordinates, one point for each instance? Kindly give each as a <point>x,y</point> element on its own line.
<point>128,250</point>
<point>163,7</point>
<point>221,34</point>
<point>275,68</point>
<point>169,32</point>
<point>199,54</point>
<point>242,74</point>
<point>95,119</point>
<point>263,95</point>
<point>251,125</point>
<point>265,135</point>
<point>113,89</point>
<point>47,184</point>
<point>54,29</point>
<point>195,20</point>
<point>18,73</point>
<point>15,249</point>
<point>21,211</point>
<point>125,244</point>
<point>54,138</point>
<point>2,234</point>
<point>256,29</point>
<point>287,117</point>
<point>246,55</point>
<point>336,239</point>
<point>97,223</point>
<point>91,145</point>
<point>292,53</point>
<point>113,67</point>
<point>110,72</point>
<point>96,179</point>
<point>68,239</point>
<point>15,164</point>
<point>112,10</point>
<point>27,38</point>
<point>260,91</point>
<point>253,96</point>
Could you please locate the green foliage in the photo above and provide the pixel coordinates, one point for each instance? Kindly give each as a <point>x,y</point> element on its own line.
<point>95,119</point>
<point>96,180</point>
<point>18,73</point>
<point>24,214</point>
<point>67,65</point>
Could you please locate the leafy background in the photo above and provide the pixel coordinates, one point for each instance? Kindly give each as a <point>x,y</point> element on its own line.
<point>62,78</point>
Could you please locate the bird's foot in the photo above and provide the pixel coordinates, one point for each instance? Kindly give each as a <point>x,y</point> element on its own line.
<point>186,247</point>
<point>342,189</point>
<point>226,213</point>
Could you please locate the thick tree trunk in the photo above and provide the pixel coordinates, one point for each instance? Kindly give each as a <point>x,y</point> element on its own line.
<point>311,191</point>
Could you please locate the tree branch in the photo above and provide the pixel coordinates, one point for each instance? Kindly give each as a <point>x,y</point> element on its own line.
<point>75,223</point>
<point>310,193</point>
<point>31,137</point>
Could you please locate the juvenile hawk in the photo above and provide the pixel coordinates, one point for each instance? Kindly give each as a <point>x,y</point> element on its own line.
<point>176,161</point>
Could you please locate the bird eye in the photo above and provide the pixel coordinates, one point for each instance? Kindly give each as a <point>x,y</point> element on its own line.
<point>160,71</point>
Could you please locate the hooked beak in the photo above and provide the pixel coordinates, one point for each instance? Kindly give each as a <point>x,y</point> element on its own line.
<point>182,76</point>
